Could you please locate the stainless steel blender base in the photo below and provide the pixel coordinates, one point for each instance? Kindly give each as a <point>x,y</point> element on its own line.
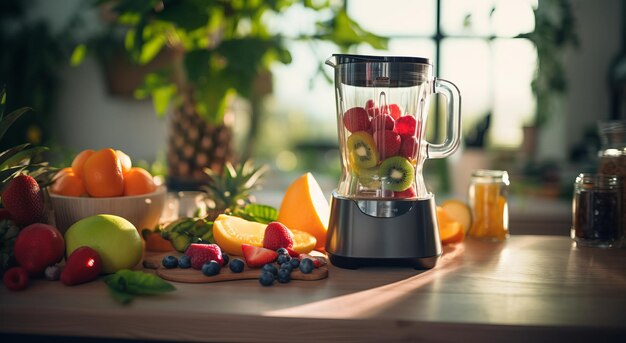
<point>383,232</point>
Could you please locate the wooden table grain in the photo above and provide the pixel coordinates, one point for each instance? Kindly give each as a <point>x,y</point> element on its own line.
<point>529,288</point>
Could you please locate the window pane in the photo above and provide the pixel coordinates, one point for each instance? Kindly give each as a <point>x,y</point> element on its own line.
<point>394,17</point>
<point>505,18</point>
<point>514,62</point>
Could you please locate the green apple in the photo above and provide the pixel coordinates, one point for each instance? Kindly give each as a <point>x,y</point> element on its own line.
<point>116,240</point>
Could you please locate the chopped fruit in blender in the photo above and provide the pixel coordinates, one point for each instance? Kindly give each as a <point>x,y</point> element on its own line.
<point>405,125</point>
<point>397,173</point>
<point>356,119</point>
<point>202,253</point>
<point>388,143</point>
<point>362,150</point>
<point>277,236</point>
<point>408,146</point>
<point>371,108</point>
<point>459,211</point>
<point>382,122</point>
<point>257,256</point>
<point>394,110</point>
<point>405,194</point>
<point>369,177</point>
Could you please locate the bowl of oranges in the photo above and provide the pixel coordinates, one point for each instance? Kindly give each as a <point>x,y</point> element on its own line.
<point>105,182</point>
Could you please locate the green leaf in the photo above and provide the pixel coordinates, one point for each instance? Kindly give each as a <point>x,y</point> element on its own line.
<point>78,55</point>
<point>22,156</point>
<point>124,284</point>
<point>259,213</point>
<point>3,101</point>
<point>10,119</point>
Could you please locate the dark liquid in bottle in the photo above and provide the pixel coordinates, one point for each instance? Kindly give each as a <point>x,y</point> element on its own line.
<point>597,215</point>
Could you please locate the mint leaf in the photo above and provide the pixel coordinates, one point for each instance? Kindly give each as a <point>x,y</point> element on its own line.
<point>124,284</point>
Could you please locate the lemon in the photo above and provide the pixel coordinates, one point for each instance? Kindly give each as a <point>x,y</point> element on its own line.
<point>231,232</point>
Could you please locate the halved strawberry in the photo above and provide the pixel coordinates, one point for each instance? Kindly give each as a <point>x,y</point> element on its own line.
<point>257,256</point>
<point>200,253</point>
<point>277,236</point>
<point>318,261</point>
<point>292,253</point>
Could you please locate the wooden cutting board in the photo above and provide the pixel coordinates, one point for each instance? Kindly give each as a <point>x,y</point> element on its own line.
<point>190,275</point>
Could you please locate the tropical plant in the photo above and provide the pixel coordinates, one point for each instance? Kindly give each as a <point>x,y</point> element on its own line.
<point>221,48</point>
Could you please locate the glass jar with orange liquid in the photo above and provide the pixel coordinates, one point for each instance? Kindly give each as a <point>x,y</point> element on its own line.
<point>488,192</point>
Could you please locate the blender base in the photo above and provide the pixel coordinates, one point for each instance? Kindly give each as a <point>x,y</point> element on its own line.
<point>385,232</point>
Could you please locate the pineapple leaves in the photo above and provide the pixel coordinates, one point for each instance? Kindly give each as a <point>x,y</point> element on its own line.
<point>258,213</point>
<point>10,119</point>
<point>18,155</point>
<point>232,189</point>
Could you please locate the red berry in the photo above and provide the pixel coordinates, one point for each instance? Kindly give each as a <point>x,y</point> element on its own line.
<point>38,246</point>
<point>5,214</point>
<point>356,119</point>
<point>277,236</point>
<point>257,256</point>
<point>405,125</point>
<point>23,198</point>
<point>201,253</point>
<point>393,110</point>
<point>291,252</point>
<point>408,147</point>
<point>318,261</point>
<point>387,142</point>
<point>16,278</point>
<point>83,265</point>
<point>382,122</point>
<point>407,193</point>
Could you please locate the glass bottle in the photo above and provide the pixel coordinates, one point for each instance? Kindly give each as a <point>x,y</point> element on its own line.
<point>612,154</point>
<point>488,191</point>
<point>597,210</point>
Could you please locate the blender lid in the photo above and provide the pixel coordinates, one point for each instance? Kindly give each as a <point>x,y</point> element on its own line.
<point>349,58</point>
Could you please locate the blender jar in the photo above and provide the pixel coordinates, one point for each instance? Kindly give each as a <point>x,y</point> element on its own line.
<point>382,108</point>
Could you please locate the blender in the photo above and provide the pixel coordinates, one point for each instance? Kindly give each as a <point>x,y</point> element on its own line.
<point>381,211</point>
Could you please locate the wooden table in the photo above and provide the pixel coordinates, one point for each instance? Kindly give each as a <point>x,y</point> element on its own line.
<point>527,289</point>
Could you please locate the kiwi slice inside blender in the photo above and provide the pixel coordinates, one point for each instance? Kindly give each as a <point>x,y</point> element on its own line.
<point>369,177</point>
<point>362,150</point>
<point>396,173</point>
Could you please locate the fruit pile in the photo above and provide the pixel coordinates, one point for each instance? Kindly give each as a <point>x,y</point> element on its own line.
<point>276,258</point>
<point>382,147</point>
<point>102,173</point>
<point>454,218</point>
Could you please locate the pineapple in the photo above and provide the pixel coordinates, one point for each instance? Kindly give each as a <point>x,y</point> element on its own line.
<point>231,191</point>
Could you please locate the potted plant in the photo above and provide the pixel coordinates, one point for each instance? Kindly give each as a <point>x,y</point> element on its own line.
<point>222,50</point>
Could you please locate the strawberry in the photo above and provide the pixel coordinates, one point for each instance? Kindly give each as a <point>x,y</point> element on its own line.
<point>277,236</point>
<point>393,110</point>
<point>202,253</point>
<point>83,265</point>
<point>318,261</point>
<point>5,214</point>
<point>407,193</point>
<point>408,146</point>
<point>257,256</point>
<point>388,143</point>
<point>292,253</point>
<point>371,108</point>
<point>356,119</point>
<point>38,246</point>
<point>16,278</point>
<point>23,198</point>
<point>405,125</point>
<point>382,122</point>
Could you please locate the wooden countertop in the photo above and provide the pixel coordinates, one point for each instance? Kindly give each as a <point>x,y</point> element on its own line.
<point>537,288</point>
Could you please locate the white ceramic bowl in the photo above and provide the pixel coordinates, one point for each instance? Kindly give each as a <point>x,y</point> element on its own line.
<point>143,210</point>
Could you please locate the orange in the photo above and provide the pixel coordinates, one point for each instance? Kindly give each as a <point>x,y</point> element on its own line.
<point>305,208</point>
<point>450,231</point>
<point>231,232</point>
<point>79,161</point>
<point>458,211</point>
<point>124,160</point>
<point>155,242</point>
<point>138,181</point>
<point>67,183</point>
<point>102,174</point>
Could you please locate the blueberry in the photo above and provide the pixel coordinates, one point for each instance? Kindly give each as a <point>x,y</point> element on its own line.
<point>270,268</point>
<point>170,262</point>
<point>286,266</point>
<point>306,266</point>
<point>282,251</point>
<point>284,276</point>
<point>211,268</point>
<point>226,259</point>
<point>266,278</point>
<point>236,265</point>
<point>295,262</point>
<point>184,262</point>
<point>283,258</point>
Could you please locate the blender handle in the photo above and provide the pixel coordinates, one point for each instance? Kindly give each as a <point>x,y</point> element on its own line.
<point>453,120</point>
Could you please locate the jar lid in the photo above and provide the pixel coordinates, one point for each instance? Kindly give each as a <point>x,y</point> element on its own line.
<point>490,176</point>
